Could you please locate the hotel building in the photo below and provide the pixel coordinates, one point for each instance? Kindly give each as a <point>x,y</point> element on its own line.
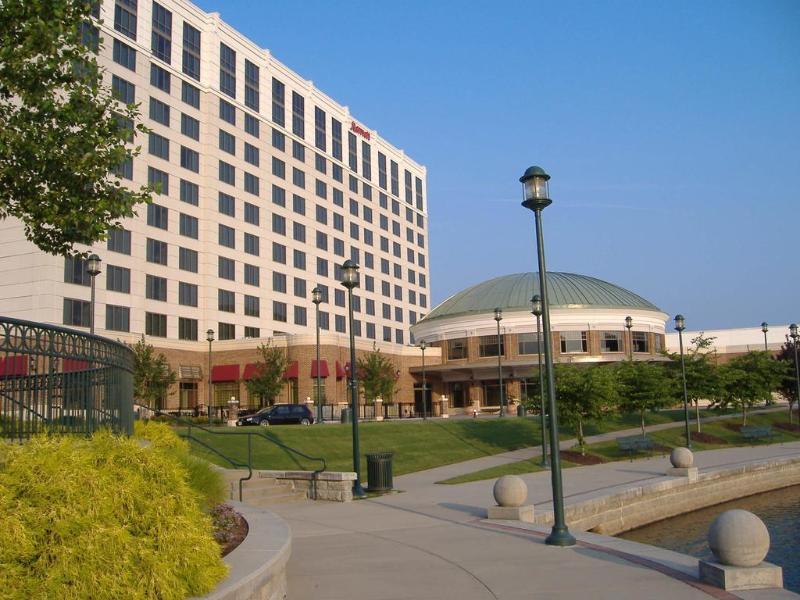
<point>266,185</point>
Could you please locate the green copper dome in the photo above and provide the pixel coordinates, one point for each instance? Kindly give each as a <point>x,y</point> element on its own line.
<point>514,292</point>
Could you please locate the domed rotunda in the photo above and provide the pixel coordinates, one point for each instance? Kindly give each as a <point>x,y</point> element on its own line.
<point>587,321</point>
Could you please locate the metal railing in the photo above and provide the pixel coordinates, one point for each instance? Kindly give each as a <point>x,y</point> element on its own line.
<point>236,464</point>
<point>59,380</point>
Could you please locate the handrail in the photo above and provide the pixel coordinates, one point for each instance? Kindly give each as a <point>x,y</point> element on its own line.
<point>249,434</point>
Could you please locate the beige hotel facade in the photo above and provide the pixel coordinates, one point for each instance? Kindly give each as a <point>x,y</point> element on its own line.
<point>267,185</point>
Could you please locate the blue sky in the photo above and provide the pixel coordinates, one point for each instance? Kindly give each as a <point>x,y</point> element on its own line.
<point>671,131</point>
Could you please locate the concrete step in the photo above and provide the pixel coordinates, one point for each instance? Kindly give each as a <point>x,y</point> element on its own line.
<point>278,499</point>
<point>263,491</point>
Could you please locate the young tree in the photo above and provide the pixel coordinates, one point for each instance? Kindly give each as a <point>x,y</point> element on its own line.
<point>377,375</point>
<point>62,132</point>
<point>748,379</point>
<point>788,383</point>
<point>644,386</point>
<point>152,376</point>
<point>268,379</point>
<point>700,359</point>
<point>584,392</point>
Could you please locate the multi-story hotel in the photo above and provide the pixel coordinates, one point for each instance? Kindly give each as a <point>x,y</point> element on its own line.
<point>266,185</point>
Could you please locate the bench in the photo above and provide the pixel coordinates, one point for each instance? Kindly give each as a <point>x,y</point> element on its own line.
<point>635,443</point>
<point>754,432</point>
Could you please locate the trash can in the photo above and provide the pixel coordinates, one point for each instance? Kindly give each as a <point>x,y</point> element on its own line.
<point>345,417</point>
<point>379,471</point>
<point>520,410</point>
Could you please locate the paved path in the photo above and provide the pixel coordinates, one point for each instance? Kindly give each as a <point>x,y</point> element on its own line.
<point>430,542</point>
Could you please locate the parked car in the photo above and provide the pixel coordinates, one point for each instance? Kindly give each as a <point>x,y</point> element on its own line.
<point>280,414</point>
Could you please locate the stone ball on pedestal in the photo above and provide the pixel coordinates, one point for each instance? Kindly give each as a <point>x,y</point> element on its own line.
<point>738,538</point>
<point>681,458</point>
<point>510,490</point>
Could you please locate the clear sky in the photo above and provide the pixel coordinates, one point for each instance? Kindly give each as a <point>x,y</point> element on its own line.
<point>671,131</point>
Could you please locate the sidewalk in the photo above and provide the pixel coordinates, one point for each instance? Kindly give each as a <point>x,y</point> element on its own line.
<point>430,542</point>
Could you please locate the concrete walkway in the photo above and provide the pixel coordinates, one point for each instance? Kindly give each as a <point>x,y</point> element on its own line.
<point>430,541</point>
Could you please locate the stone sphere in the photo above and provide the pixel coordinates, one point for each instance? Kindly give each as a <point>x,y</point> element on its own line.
<point>510,490</point>
<point>681,458</point>
<point>738,538</point>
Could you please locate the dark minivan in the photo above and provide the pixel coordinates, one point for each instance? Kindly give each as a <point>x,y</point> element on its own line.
<point>280,414</point>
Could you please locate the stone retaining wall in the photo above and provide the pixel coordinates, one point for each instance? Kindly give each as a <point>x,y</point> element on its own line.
<point>328,485</point>
<point>668,497</point>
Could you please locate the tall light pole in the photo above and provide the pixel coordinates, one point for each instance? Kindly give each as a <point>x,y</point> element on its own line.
<point>350,280</point>
<point>680,325</point>
<point>536,309</point>
<point>536,198</point>
<point>93,269</point>
<point>210,338</point>
<point>316,298</point>
<point>794,335</point>
<point>422,346</point>
<point>498,316</point>
<point>628,326</point>
<point>765,329</point>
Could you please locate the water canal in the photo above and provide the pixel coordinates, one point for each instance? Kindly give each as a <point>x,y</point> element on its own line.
<point>779,509</point>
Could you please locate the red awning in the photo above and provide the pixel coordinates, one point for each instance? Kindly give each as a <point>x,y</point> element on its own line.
<point>74,364</point>
<point>224,373</point>
<point>323,368</point>
<point>340,372</point>
<point>250,371</point>
<point>292,371</point>
<point>13,366</point>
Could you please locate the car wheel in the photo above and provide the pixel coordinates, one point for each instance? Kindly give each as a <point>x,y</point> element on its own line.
<point>305,422</point>
<point>264,423</point>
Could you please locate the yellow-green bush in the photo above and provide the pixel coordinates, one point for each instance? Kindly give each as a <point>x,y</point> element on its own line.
<point>101,518</point>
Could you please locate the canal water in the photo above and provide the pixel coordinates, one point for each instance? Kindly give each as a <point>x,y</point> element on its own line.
<point>780,511</point>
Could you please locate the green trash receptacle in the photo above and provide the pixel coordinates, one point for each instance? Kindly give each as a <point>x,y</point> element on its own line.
<point>520,410</point>
<point>345,416</point>
<point>379,471</point>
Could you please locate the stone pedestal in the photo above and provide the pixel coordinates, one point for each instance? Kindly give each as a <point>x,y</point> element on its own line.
<point>445,408</point>
<point>727,577</point>
<point>688,472</point>
<point>379,409</point>
<point>511,513</point>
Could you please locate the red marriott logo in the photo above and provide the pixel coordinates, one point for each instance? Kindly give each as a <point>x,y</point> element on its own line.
<point>359,130</point>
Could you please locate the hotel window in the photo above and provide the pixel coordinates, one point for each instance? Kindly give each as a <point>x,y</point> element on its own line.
<point>278,282</point>
<point>299,232</point>
<point>159,112</point>
<point>155,324</point>
<point>320,164</point>
<point>119,240</point>
<point>418,192</point>
<point>338,247</point>
<point>324,320</point>
<point>321,214</point>
<point>366,160</point>
<point>227,142</point>
<point>157,216</point>
<point>338,222</point>
<point>395,179</point>
<point>191,51</point>
<point>640,341</point>
<point>227,236</point>
<point>336,172</point>
<point>278,167</point>
<point>251,244</point>
<point>279,311</point>
<point>227,173</point>
<point>368,237</point>
<point>278,102</point>
<point>322,267</point>
<point>252,275</point>
<point>321,189</point>
<point>338,197</point>
<point>156,288</point>
<point>300,315</point>
<point>75,271</point>
<point>189,226</point>
<point>252,125</point>
<point>123,90</point>
<point>409,195</point>
<point>319,128</point>
<point>251,184</point>
<point>336,139</point>
<point>278,195</point>
<point>371,331</point>
<point>279,253</point>
<point>251,154</point>
<point>322,240</point>
<point>125,17</point>
<point>160,78</point>
<point>298,151</point>
<point>187,329</point>
<point>298,178</point>
<point>353,184</point>
<point>252,332</point>
<point>528,343</point>
<point>190,159</point>
<point>187,294</point>
<point>118,318</point>
<point>251,86</point>
<point>227,331</point>
<point>227,112</point>
<point>158,146</point>
<point>398,336</point>
<point>76,312</point>
<point>387,334</point>
<point>278,140</point>
<point>339,323</point>
<point>395,207</point>
<point>352,151</point>
<point>252,306</point>
<point>226,268</point>
<point>190,94</point>
<point>159,180</point>
<point>226,301</point>
<point>573,341</point>
<point>299,260</point>
<point>338,297</point>
<point>382,170</point>
<point>487,346</point>
<point>251,213</point>
<point>298,115</point>
<point>187,260</point>
<point>161,40</point>
<point>299,287</point>
<point>227,70</point>
<point>610,341</point>
<point>124,55</point>
<point>125,169</point>
<point>227,204</point>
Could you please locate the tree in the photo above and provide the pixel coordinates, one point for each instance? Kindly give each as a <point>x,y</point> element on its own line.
<point>377,375</point>
<point>584,392</point>
<point>267,382</point>
<point>700,359</point>
<point>787,386</point>
<point>62,132</point>
<point>152,376</point>
<point>644,386</point>
<point>748,379</point>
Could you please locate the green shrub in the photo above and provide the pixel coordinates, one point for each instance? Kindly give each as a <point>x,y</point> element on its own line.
<point>101,518</point>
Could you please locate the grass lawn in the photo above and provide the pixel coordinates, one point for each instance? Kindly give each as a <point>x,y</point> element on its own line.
<point>720,434</point>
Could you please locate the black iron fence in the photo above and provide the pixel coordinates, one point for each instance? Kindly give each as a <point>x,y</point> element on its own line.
<point>54,379</point>
<point>366,412</point>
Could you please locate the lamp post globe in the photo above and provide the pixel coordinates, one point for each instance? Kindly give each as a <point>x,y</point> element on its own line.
<point>350,280</point>
<point>210,339</point>
<point>93,269</point>
<point>536,197</point>
<point>536,309</point>
<point>316,298</point>
<point>680,325</point>
<point>498,316</point>
<point>765,329</point>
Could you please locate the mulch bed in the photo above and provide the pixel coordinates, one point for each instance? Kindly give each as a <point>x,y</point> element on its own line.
<point>707,438</point>
<point>737,427</point>
<point>230,528</point>
<point>580,459</point>
<point>787,426</point>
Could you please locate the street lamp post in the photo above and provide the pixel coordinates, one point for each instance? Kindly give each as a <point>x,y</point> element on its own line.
<point>794,335</point>
<point>316,298</point>
<point>93,269</point>
<point>536,309</point>
<point>765,329</point>
<point>350,280</point>
<point>680,325</point>
<point>498,316</point>
<point>535,194</point>
<point>628,326</point>
<point>422,346</point>
<point>210,338</point>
